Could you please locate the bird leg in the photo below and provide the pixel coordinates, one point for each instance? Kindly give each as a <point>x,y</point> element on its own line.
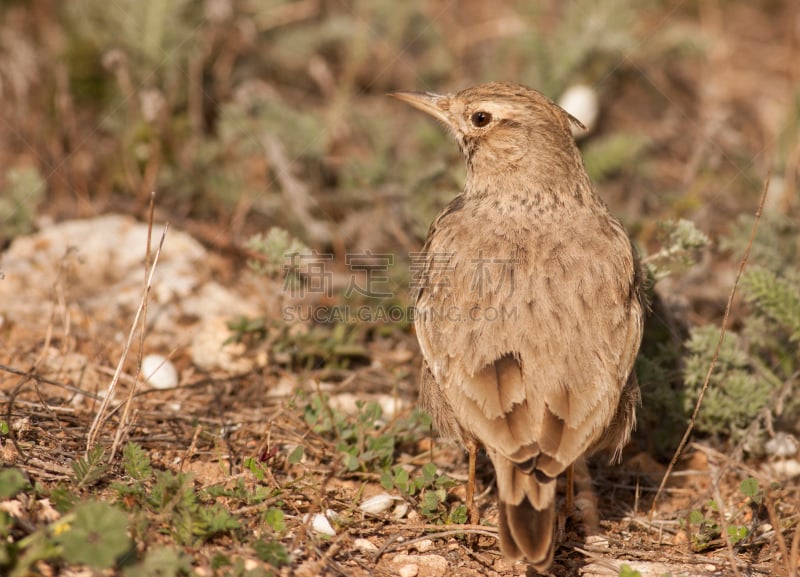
<point>472,511</point>
<point>569,497</point>
<point>586,499</point>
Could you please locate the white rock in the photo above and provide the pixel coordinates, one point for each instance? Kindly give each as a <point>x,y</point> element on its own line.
<point>212,350</point>
<point>364,545</point>
<point>409,570</point>
<point>400,510</point>
<point>159,372</point>
<point>321,525</point>
<point>377,504</point>
<point>427,565</point>
<point>784,468</point>
<point>424,546</point>
<point>782,445</point>
<point>581,102</point>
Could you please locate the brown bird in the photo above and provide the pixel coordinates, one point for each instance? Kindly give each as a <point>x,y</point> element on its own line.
<point>528,307</point>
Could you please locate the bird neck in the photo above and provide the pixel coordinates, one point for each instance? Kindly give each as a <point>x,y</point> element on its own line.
<point>553,185</point>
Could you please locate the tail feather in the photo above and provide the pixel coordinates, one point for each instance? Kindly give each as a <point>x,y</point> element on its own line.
<point>527,512</point>
<point>526,532</point>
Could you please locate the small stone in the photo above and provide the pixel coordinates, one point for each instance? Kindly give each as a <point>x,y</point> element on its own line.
<point>410,570</point>
<point>424,546</point>
<point>785,468</point>
<point>364,545</point>
<point>400,510</point>
<point>782,445</point>
<point>377,504</point>
<point>321,525</point>
<point>427,565</point>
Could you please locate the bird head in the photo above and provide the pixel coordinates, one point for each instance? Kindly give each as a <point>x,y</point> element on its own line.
<point>502,127</point>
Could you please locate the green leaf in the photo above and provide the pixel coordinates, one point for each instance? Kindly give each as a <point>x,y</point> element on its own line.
<point>776,297</point>
<point>161,562</point>
<point>737,533</point>
<point>458,515</point>
<point>696,517</point>
<point>96,534</point>
<point>12,481</point>
<point>429,505</point>
<point>387,482</point>
<point>214,520</point>
<point>136,462</point>
<point>272,552</point>
<point>275,519</point>
<point>749,488</point>
<point>296,455</point>
<point>401,480</point>
<point>255,468</point>
<point>89,470</point>
<point>627,571</point>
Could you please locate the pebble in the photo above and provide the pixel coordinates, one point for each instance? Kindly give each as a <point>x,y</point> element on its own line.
<point>378,504</point>
<point>364,545</point>
<point>426,565</point>
<point>159,372</point>
<point>321,525</point>
<point>409,570</point>
<point>424,546</point>
<point>782,445</point>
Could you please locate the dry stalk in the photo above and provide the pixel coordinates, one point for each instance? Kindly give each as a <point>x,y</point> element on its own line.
<point>101,416</point>
<point>723,330</point>
<point>123,422</point>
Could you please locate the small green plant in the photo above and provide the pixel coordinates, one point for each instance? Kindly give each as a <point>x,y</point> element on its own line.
<point>735,393</point>
<point>136,462</point>
<point>704,531</point>
<point>19,200</point>
<point>161,561</point>
<point>92,533</point>
<point>189,515</point>
<point>95,534</point>
<point>431,488</point>
<point>626,570</point>
<point>757,361</point>
<point>90,469</point>
<point>751,489</point>
<point>272,552</point>
<point>680,242</point>
<point>12,481</point>
<point>275,249</point>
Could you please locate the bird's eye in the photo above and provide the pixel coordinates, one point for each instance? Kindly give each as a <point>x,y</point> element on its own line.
<point>481,118</point>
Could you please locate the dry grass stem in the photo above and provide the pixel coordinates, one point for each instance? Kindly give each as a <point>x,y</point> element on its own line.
<point>712,365</point>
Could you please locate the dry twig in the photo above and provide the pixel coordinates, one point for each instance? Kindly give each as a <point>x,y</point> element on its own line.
<point>100,417</point>
<point>713,364</point>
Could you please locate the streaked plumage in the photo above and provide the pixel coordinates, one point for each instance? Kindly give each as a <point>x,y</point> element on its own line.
<point>529,314</point>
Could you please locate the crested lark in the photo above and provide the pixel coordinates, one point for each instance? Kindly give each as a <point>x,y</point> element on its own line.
<point>529,314</point>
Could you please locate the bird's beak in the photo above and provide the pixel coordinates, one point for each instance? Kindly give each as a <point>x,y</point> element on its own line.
<point>437,105</point>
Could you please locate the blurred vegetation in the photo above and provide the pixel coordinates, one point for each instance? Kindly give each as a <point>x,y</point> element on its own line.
<point>269,117</point>
<point>756,380</point>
